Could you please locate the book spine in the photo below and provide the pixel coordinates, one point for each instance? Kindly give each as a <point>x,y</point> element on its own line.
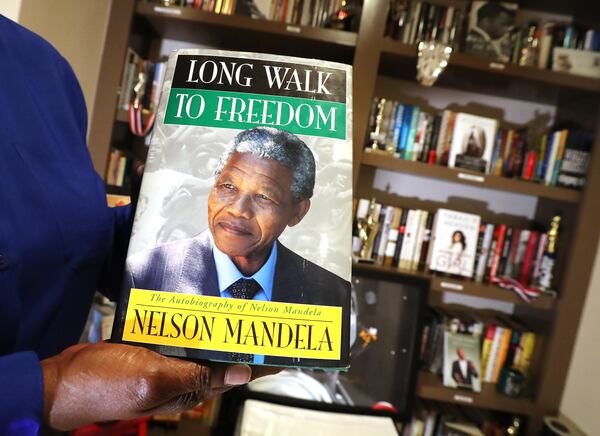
<point>486,348</point>
<point>401,233</point>
<point>374,249</point>
<point>483,253</point>
<point>559,156</point>
<point>543,240</point>
<point>404,131</point>
<point>426,242</point>
<point>514,246</point>
<point>505,252</point>
<point>494,350</point>
<point>419,240</point>
<point>385,233</point>
<point>502,352</point>
<point>549,170</point>
<point>448,142</point>
<point>497,252</point>
<point>410,140</point>
<point>527,348</point>
<point>524,275</point>
<point>408,244</point>
<point>441,137</point>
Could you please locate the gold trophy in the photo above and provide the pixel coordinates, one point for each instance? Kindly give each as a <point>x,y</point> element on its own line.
<point>367,230</point>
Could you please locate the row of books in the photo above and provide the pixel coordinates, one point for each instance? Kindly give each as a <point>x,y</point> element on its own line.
<point>489,29</point>
<point>488,344</point>
<point>314,13</point>
<point>119,169</point>
<point>461,140</point>
<point>441,419</point>
<point>456,243</point>
<point>414,21</point>
<point>543,44</point>
<point>146,75</point>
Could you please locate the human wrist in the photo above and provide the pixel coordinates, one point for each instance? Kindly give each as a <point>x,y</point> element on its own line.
<point>50,382</point>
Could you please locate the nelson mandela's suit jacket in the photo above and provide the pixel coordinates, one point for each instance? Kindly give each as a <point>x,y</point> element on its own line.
<point>188,266</point>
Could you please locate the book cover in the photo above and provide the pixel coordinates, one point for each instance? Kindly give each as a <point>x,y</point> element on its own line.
<point>454,242</point>
<point>490,24</point>
<point>462,361</point>
<point>240,248</point>
<point>473,140</point>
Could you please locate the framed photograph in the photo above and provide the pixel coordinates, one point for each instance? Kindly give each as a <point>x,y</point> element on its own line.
<point>489,29</point>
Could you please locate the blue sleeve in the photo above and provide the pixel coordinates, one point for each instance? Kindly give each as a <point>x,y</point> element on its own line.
<point>21,391</point>
<point>122,218</point>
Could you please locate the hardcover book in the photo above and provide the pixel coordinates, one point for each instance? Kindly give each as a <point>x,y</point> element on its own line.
<point>241,244</point>
<point>454,243</point>
<point>472,142</point>
<point>462,363</point>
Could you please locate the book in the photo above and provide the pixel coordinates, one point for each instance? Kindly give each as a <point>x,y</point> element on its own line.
<point>242,251</point>
<point>490,24</point>
<point>462,361</point>
<point>454,242</point>
<point>473,140</point>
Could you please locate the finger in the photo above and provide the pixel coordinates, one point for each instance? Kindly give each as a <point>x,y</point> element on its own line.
<point>261,371</point>
<point>192,377</point>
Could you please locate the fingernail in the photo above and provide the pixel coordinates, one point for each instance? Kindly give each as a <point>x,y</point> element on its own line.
<point>237,375</point>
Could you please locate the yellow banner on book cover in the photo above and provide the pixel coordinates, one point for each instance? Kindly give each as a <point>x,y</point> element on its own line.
<point>234,325</point>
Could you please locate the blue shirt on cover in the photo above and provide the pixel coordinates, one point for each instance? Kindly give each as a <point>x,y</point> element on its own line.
<point>59,242</point>
<point>227,274</point>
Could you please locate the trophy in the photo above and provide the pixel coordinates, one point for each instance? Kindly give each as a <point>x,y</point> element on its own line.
<point>367,230</point>
<point>376,136</point>
<point>432,59</point>
<point>544,282</point>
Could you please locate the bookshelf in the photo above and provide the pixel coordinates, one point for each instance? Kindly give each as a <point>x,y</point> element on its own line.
<point>441,284</point>
<point>143,25</point>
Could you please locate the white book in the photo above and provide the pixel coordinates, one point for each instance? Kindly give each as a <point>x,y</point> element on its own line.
<point>454,242</point>
<point>473,140</point>
<point>485,250</point>
<point>489,370</point>
<point>408,242</point>
<point>552,159</point>
<point>385,233</point>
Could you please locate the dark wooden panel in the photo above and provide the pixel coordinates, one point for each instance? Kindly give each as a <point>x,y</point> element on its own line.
<point>470,178</point>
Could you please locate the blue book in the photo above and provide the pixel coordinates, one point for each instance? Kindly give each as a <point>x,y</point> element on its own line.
<point>547,156</point>
<point>412,133</point>
<point>404,129</point>
<point>397,126</point>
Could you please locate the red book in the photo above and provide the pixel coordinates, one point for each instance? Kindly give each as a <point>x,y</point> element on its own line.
<point>497,252</point>
<point>528,258</point>
<point>529,165</point>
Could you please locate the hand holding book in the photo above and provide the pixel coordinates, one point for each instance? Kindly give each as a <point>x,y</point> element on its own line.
<point>100,382</point>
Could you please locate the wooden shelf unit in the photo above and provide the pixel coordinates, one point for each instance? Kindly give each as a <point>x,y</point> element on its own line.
<point>430,387</point>
<point>147,23</point>
<point>168,21</point>
<point>491,67</point>
<point>387,162</point>
<point>438,283</point>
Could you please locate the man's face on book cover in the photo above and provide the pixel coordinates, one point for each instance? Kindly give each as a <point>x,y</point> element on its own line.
<point>251,204</point>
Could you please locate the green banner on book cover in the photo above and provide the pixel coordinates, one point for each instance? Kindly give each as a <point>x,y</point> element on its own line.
<point>236,110</point>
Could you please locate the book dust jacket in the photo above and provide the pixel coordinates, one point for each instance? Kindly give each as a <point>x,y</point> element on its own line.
<point>241,244</point>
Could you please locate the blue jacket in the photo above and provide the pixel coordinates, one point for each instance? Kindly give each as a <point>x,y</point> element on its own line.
<point>56,232</point>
